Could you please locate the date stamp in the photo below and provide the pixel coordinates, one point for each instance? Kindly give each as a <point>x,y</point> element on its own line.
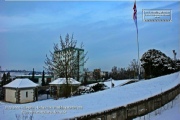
<point>43,109</point>
<point>157,15</point>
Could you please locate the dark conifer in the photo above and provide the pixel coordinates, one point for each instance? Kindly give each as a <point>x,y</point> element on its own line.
<point>33,79</point>
<point>43,81</point>
<point>4,78</point>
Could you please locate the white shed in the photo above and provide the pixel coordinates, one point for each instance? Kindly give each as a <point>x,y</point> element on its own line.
<point>20,91</point>
<point>59,86</point>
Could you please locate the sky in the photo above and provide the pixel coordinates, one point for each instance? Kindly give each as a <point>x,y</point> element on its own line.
<point>28,31</point>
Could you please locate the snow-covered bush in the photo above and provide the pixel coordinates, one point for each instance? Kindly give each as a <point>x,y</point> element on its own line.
<point>99,86</point>
<point>156,63</point>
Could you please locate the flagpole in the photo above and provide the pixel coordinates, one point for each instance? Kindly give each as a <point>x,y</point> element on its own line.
<point>138,57</point>
<point>135,20</point>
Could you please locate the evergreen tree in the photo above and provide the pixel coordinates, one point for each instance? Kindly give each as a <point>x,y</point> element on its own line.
<point>43,81</point>
<point>85,78</point>
<point>8,78</point>
<point>33,76</point>
<point>4,78</point>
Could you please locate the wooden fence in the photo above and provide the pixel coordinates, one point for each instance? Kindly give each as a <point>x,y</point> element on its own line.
<point>136,109</point>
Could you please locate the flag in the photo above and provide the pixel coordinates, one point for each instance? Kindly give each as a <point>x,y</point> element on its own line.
<point>135,15</point>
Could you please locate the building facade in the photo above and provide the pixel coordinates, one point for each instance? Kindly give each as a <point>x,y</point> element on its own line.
<point>21,91</point>
<point>59,86</point>
<point>73,59</point>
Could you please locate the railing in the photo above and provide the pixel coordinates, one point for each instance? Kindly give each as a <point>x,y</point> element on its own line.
<point>136,109</point>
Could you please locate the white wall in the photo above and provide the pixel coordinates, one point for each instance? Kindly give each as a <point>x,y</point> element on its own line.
<point>29,98</point>
<point>10,95</point>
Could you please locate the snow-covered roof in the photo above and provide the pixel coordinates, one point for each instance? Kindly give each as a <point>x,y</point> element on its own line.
<point>60,81</point>
<point>21,83</point>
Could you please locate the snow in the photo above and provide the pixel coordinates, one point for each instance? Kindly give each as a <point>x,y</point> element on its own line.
<point>156,57</point>
<point>170,111</point>
<point>21,83</point>
<point>115,82</point>
<point>63,81</point>
<point>44,97</point>
<point>170,114</point>
<point>91,103</point>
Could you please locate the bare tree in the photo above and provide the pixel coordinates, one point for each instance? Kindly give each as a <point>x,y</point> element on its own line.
<point>114,73</point>
<point>134,67</point>
<point>66,60</point>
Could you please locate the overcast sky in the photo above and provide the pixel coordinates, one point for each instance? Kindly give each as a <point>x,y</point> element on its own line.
<point>29,29</point>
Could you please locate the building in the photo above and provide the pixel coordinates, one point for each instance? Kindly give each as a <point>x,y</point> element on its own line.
<point>21,91</point>
<point>89,75</point>
<point>75,59</point>
<point>104,75</point>
<point>97,74</point>
<point>58,87</point>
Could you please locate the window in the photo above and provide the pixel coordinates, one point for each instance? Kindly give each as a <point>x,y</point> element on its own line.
<point>26,94</point>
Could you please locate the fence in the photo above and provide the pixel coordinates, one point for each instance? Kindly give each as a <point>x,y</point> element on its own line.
<point>43,94</point>
<point>136,109</point>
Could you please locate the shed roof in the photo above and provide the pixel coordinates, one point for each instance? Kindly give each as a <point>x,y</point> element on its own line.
<point>21,83</point>
<point>60,81</point>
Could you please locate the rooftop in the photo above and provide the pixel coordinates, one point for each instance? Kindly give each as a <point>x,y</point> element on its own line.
<point>21,83</point>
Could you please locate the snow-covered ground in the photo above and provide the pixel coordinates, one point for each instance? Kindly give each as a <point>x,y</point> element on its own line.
<point>89,103</point>
<point>170,111</point>
<point>115,82</point>
<point>44,97</point>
